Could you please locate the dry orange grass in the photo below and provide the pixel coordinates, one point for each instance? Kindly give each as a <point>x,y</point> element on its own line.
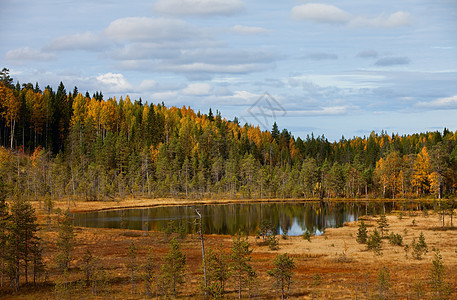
<point>322,271</point>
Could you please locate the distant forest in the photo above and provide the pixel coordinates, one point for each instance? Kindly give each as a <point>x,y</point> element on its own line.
<point>61,144</point>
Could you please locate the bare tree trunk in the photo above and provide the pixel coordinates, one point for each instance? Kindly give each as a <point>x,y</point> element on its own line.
<point>203,247</point>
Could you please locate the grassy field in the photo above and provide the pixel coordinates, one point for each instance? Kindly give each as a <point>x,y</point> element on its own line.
<point>330,266</point>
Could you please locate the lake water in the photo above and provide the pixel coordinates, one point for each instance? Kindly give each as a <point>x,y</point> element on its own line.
<point>292,218</point>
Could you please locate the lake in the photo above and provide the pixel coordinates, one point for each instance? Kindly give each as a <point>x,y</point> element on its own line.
<point>292,218</point>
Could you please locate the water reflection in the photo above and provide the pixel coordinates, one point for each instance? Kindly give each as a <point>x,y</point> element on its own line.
<point>292,218</point>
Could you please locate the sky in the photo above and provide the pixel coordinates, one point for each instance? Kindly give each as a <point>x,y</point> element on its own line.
<point>333,68</point>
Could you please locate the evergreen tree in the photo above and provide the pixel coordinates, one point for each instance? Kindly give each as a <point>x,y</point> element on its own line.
<point>440,288</point>
<point>173,267</point>
<point>282,273</point>
<point>22,240</point>
<point>241,256</point>
<point>218,272</point>
<point>362,233</point>
<point>382,224</point>
<point>65,242</point>
<point>374,242</point>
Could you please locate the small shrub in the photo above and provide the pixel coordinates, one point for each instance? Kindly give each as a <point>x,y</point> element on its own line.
<point>273,242</point>
<point>395,239</point>
<point>419,248</point>
<point>374,242</point>
<point>362,233</point>
<point>307,236</point>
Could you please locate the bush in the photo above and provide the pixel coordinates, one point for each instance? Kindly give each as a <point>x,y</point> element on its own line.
<point>362,234</point>
<point>374,242</point>
<point>395,239</point>
<point>419,248</point>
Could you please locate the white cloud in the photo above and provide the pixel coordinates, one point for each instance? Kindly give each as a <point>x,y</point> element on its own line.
<point>168,95</point>
<point>397,19</point>
<point>322,13</point>
<point>197,89</point>
<point>249,30</point>
<point>27,53</point>
<point>440,103</point>
<point>147,85</point>
<point>323,111</point>
<point>198,7</point>
<point>142,29</point>
<point>79,41</point>
<point>114,82</point>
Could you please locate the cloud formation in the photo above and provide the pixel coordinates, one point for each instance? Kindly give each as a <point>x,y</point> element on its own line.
<point>114,82</point>
<point>440,103</point>
<point>392,61</point>
<point>321,56</point>
<point>198,8</point>
<point>318,12</point>
<point>249,30</point>
<point>325,13</point>
<point>26,54</point>
<point>79,41</point>
<point>368,54</point>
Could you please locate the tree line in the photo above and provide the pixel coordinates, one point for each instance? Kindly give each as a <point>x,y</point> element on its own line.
<point>65,144</point>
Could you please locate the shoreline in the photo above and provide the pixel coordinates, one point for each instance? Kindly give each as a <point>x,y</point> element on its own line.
<point>131,203</point>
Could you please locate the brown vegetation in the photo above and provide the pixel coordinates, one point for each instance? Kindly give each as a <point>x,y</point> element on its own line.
<point>331,266</point>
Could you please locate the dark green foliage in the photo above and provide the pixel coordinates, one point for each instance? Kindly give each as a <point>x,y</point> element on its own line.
<point>440,288</point>
<point>395,239</point>
<point>382,225</point>
<point>362,233</point>
<point>99,149</point>
<point>420,247</point>
<point>173,268</point>
<point>22,244</point>
<point>282,273</point>
<point>307,236</point>
<point>65,242</point>
<point>374,242</point>
<point>273,242</point>
<point>265,229</point>
<point>217,272</point>
<point>241,269</point>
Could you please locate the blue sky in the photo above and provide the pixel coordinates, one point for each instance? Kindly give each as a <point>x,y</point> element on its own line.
<point>331,67</point>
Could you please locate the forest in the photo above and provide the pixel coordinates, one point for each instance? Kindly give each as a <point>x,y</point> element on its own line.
<point>58,147</point>
<point>65,144</point>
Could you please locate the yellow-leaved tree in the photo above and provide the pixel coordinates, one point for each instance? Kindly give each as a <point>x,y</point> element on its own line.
<point>422,173</point>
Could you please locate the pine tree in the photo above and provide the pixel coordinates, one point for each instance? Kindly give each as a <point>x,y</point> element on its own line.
<point>173,267</point>
<point>282,273</point>
<point>241,256</point>
<point>65,242</point>
<point>218,272</point>
<point>22,240</point>
<point>362,233</point>
<point>374,242</point>
<point>382,224</point>
<point>441,289</point>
